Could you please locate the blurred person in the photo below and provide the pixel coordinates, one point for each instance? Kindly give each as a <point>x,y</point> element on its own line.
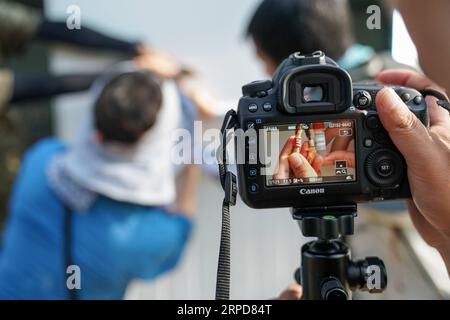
<point>20,26</point>
<point>280,27</point>
<point>107,203</point>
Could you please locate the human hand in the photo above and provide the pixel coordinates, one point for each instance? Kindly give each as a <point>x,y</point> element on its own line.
<point>158,62</point>
<point>427,154</point>
<point>202,97</point>
<point>295,164</point>
<point>293,292</point>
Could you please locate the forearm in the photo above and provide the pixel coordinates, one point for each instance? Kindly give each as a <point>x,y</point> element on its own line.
<point>85,37</point>
<point>27,87</point>
<point>429,27</point>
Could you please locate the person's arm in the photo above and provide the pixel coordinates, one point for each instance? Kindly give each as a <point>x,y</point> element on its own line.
<point>28,87</point>
<point>85,37</point>
<point>427,154</point>
<point>428,23</point>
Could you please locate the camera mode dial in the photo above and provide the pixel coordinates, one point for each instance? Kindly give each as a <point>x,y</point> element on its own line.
<point>255,88</point>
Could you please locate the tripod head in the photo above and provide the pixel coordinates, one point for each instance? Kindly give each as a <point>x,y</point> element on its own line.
<point>327,271</point>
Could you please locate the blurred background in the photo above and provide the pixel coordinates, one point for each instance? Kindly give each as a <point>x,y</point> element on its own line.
<point>210,35</point>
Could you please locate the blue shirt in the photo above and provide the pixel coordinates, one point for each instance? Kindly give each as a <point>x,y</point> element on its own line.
<point>112,244</point>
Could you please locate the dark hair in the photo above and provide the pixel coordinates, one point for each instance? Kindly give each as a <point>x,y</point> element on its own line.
<point>281,27</point>
<point>127,107</point>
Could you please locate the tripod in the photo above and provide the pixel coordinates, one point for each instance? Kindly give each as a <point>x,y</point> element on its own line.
<point>327,271</point>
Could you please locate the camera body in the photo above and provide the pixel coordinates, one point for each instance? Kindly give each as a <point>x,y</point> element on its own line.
<point>332,145</point>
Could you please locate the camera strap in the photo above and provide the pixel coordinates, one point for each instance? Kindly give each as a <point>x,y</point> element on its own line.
<point>229,185</point>
<point>442,100</point>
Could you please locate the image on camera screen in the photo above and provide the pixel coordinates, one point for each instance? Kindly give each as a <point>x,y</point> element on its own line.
<point>311,153</point>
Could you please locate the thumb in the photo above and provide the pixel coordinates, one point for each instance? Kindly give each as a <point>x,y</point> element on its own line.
<point>405,129</point>
<point>300,166</point>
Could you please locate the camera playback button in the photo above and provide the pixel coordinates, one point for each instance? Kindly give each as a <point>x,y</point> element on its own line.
<point>253,172</point>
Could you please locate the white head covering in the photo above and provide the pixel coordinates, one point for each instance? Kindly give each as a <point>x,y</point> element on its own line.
<point>142,173</point>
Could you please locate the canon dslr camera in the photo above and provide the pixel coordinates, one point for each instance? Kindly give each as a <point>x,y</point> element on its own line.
<point>312,138</point>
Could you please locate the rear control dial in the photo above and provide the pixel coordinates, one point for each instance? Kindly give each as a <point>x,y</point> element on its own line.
<point>385,168</point>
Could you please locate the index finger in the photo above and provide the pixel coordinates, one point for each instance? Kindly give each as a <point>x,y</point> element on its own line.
<point>287,149</point>
<point>407,78</point>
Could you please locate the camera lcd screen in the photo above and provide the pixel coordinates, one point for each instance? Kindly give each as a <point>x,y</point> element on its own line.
<point>310,153</point>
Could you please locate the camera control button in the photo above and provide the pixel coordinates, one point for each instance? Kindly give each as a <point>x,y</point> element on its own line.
<point>406,97</point>
<point>267,106</point>
<point>382,137</point>
<point>418,100</point>
<point>368,143</point>
<point>385,167</point>
<point>250,125</point>
<point>362,99</point>
<point>253,188</point>
<point>253,172</point>
<point>253,107</point>
<point>373,122</point>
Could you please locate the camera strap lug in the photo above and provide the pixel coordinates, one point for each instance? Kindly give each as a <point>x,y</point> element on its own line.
<point>442,99</point>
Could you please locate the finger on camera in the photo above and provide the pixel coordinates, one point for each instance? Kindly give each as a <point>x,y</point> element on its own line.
<point>404,128</point>
<point>406,78</point>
